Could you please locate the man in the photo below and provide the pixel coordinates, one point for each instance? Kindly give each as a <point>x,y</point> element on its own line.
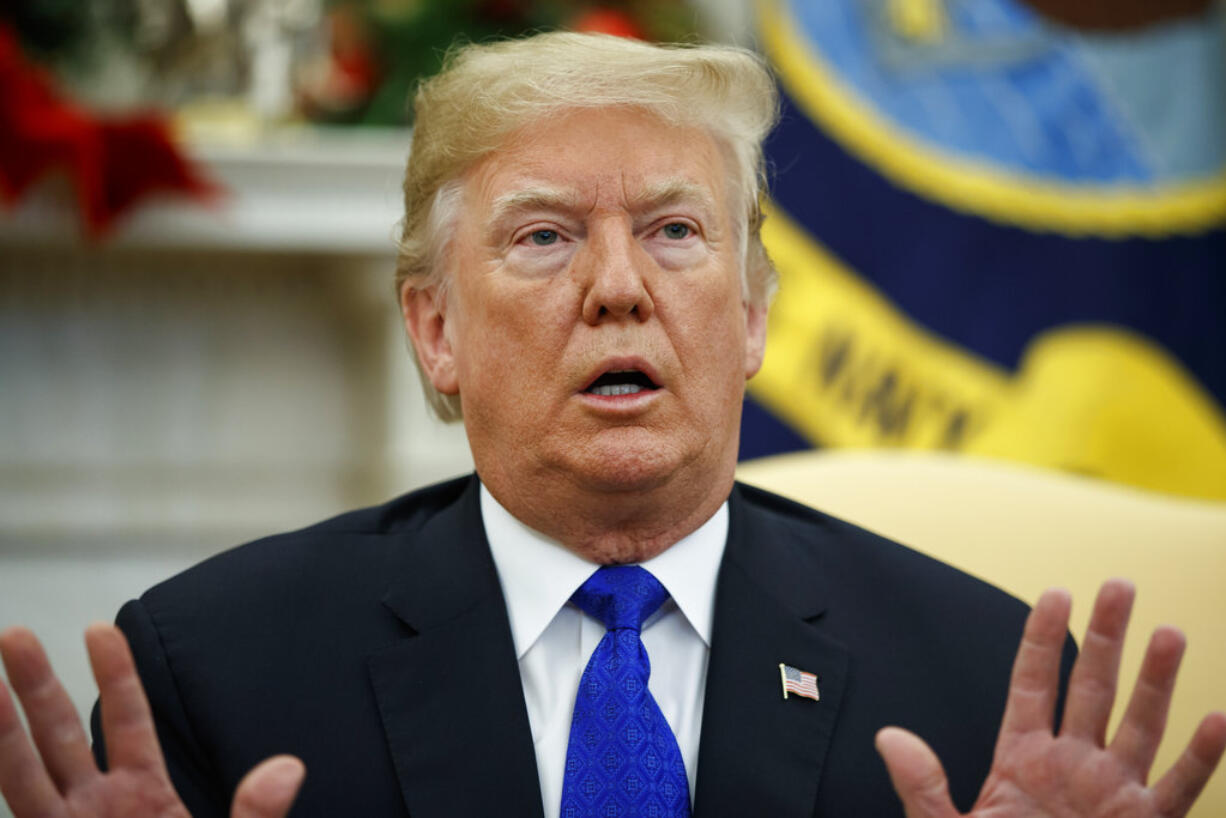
<point>582,277</point>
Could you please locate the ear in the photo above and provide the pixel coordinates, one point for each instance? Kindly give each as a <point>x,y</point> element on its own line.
<point>755,338</point>
<point>425,319</point>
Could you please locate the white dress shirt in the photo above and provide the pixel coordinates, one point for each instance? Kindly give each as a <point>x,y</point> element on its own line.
<point>554,639</point>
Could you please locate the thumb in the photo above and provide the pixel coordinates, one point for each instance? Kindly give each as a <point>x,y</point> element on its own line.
<point>269,789</point>
<point>916,773</point>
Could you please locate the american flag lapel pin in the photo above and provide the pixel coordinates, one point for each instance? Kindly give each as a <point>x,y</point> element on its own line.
<point>799,682</point>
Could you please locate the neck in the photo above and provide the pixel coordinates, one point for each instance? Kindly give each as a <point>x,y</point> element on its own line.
<point>611,527</point>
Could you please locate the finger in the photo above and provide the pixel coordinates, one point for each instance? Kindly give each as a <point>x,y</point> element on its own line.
<point>127,724</point>
<point>269,789</point>
<point>916,773</point>
<point>24,781</point>
<point>1091,692</point>
<point>54,723</point>
<point>1175,791</point>
<point>1036,670</point>
<point>1140,732</point>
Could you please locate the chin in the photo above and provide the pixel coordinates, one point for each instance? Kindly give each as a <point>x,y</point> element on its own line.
<point>628,466</point>
<point>626,473</point>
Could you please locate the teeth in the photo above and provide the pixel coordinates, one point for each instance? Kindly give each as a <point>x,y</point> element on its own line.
<point>617,389</point>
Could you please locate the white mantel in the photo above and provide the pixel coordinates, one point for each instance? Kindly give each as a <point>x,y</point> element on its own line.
<point>331,191</point>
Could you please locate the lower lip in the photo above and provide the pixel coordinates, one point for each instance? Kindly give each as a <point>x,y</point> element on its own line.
<point>632,402</point>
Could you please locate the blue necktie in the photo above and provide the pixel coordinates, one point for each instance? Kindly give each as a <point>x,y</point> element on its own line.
<point>623,759</point>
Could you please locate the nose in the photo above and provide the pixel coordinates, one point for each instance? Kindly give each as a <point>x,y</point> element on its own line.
<point>613,270</point>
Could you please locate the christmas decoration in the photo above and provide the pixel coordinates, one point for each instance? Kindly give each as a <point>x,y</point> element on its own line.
<point>113,162</point>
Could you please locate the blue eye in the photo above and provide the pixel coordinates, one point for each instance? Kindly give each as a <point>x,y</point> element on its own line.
<point>676,230</point>
<point>543,238</point>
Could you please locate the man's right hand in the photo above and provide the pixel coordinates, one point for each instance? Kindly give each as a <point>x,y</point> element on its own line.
<point>60,780</point>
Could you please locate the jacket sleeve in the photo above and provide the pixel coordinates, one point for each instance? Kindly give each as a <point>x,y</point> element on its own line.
<point>190,769</point>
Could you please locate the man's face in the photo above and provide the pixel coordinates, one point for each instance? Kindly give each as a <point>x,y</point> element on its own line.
<point>595,329</point>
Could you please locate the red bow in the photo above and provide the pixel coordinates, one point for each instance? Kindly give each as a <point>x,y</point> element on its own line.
<point>113,162</point>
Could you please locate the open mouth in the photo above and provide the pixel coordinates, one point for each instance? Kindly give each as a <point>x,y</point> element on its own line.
<point>621,382</point>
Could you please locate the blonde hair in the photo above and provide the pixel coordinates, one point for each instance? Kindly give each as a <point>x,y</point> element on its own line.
<point>487,92</point>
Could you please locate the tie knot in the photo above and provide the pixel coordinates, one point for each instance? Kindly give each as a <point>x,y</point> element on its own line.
<point>620,596</point>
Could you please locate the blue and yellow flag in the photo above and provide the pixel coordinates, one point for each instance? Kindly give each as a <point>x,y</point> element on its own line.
<point>998,236</point>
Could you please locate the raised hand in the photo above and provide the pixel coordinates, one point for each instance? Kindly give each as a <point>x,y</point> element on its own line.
<point>60,780</point>
<point>1036,773</point>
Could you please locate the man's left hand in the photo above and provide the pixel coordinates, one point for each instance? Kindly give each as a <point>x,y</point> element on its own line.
<point>1075,772</point>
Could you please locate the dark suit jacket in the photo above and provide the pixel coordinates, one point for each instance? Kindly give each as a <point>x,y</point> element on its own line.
<point>376,647</point>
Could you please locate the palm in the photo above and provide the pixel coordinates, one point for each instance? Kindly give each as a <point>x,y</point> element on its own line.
<point>59,778</point>
<point>1076,772</point>
<point>1093,786</point>
<point>124,793</point>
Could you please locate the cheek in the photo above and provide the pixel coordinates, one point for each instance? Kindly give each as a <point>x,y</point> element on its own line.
<point>714,332</point>
<point>521,331</point>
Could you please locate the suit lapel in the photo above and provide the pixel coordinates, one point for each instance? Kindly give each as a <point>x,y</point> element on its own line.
<point>450,693</point>
<point>760,754</point>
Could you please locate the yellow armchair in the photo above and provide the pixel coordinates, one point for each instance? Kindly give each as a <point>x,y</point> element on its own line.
<point>1025,529</point>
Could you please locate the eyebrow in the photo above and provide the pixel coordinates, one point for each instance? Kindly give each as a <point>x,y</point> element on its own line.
<point>656,195</point>
<point>671,191</point>
<point>534,198</point>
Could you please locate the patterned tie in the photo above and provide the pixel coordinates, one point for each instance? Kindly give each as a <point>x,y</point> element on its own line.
<point>623,759</point>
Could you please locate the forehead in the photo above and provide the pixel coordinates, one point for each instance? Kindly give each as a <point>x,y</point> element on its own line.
<point>615,157</point>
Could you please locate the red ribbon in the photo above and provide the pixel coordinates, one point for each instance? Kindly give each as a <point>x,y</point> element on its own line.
<point>113,162</point>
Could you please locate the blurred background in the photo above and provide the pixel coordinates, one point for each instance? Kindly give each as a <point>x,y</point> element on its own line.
<point>1000,227</point>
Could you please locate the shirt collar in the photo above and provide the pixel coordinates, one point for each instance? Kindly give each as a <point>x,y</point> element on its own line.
<point>539,574</point>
